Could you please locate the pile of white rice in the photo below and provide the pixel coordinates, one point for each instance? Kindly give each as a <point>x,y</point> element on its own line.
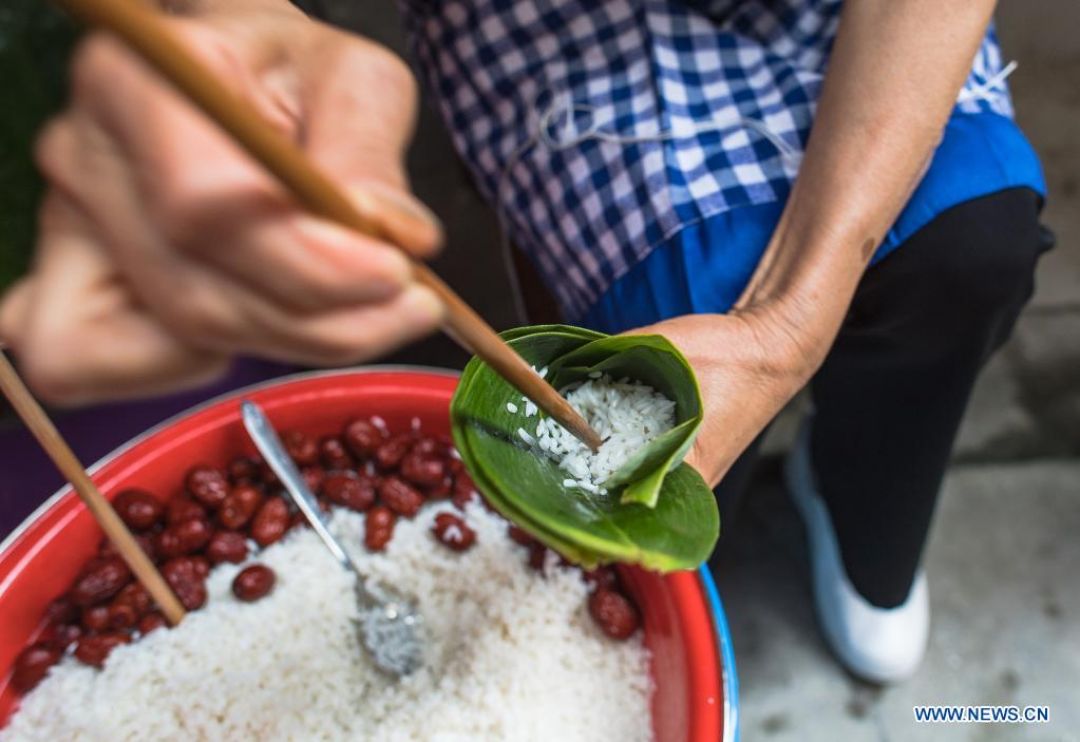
<point>627,415</point>
<point>511,656</point>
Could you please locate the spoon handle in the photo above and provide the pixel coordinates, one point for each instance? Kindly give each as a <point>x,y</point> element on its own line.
<point>269,444</point>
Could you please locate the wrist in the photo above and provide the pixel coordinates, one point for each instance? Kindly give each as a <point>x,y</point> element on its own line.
<point>804,286</point>
<point>797,330</point>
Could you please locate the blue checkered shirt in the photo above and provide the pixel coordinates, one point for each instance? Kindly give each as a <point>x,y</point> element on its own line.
<point>600,129</point>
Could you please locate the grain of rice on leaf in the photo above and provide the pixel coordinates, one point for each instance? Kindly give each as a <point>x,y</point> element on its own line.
<point>649,508</point>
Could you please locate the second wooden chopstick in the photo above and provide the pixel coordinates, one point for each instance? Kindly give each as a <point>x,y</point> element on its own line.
<point>142,30</point>
<point>58,450</point>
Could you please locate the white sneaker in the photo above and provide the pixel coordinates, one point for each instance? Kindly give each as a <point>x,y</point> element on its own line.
<point>882,645</point>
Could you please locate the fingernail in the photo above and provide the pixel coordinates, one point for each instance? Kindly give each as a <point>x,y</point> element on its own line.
<point>406,221</point>
<point>427,307</point>
<point>394,267</point>
<point>409,205</point>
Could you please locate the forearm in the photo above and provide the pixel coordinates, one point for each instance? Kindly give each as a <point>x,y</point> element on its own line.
<point>893,78</point>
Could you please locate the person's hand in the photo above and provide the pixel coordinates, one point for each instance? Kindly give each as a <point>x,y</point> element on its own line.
<point>164,250</point>
<point>749,364</point>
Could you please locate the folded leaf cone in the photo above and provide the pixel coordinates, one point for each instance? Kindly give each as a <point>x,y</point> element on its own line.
<point>657,511</point>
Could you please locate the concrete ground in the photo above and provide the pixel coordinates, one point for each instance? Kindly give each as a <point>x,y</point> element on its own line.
<point>1005,549</point>
<point>1002,572</point>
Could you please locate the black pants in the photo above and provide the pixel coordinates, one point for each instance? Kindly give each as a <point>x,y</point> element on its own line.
<point>890,395</point>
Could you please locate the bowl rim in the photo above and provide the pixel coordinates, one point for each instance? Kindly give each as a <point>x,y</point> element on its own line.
<point>725,650</point>
<point>723,644</point>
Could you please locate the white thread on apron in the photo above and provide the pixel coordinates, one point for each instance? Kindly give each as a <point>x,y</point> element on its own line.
<point>556,129</point>
<point>983,90</point>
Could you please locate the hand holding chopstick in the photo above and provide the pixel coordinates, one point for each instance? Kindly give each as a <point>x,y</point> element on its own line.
<point>143,30</point>
<point>58,450</point>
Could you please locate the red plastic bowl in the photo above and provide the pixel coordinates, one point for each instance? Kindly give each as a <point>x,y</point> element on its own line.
<point>39,560</point>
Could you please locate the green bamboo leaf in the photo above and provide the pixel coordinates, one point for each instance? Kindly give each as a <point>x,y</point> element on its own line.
<point>656,512</point>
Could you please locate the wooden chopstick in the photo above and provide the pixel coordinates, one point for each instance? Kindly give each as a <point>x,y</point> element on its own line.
<point>58,450</point>
<point>142,29</point>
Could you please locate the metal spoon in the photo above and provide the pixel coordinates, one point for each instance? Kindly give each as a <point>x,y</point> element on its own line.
<point>388,624</point>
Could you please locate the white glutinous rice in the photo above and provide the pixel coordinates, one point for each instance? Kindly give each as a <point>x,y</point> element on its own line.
<point>625,413</point>
<point>511,655</point>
